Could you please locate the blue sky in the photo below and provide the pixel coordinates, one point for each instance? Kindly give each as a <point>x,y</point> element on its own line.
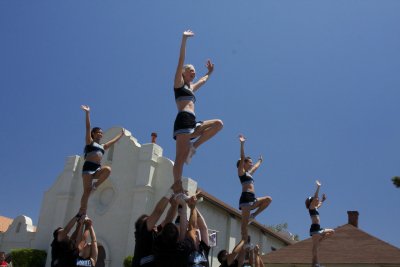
<point>313,85</point>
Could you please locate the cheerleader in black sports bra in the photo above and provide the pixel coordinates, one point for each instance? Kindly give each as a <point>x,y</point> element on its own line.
<point>316,232</point>
<point>248,200</point>
<point>186,128</point>
<point>92,168</point>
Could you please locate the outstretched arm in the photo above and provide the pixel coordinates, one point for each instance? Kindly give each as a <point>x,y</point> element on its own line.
<point>193,213</point>
<point>93,246</point>
<point>192,220</point>
<point>178,81</point>
<point>64,232</point>
<point>158,210</point>
<point>201,223</point>
<point>235,252</point>
<point>256,165</point>
<point>322,200</point>
<point>79,237</point>
<point>183,223</point>
<point>258,259</point>
<point>315,203</point>
<point>171,211</point>
<point>69,225</point>
<point>74,236</point>
<point>88,137</point>
<point>251,256</point>
<point>242,139</point>
<point>317,190</point>
<point>114,140</point>
<point>204,79</point>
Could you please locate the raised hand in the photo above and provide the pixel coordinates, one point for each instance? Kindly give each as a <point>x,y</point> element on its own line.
<point>173,201</point>
<point>82,219</point>
<point>188,33</point>
<point>85,108</point>
<point>260,158</point>
<point>318,183</point>
<point>242,139</point>
<point>88,222</point>
<point>210,66</point>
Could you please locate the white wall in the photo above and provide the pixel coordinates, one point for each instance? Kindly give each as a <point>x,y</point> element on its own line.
<point>20,234</point>
<point>140,177</point>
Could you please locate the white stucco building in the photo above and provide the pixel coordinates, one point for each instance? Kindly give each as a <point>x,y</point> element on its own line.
<point>140,177</point>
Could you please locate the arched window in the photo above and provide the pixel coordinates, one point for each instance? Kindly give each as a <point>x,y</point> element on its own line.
<point>18,227</point>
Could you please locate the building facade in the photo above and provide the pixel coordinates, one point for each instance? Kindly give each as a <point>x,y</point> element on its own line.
<point>140,177</point>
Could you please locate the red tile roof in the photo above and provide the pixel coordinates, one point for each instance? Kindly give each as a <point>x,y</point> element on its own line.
<point>5,222</point>
<point>234,212</point>
<point>349,244</point>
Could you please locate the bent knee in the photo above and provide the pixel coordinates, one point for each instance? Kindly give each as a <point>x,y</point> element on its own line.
<point>219,124</point>
<point>266,200</point>
<point>106,169</point>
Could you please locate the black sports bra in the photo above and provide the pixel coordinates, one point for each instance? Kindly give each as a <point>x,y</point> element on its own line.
<point>184,94</point>
<point>313,212</point>
<point>246,178</point>
<point>94,148</point>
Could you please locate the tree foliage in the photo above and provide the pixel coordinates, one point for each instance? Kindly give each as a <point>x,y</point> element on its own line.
<point>396,181</point>
<point>28,257</point>
<point>283,227</point>
<point>128,261</point>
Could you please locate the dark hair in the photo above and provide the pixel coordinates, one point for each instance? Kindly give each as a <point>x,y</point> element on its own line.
<point>169,234</point>
<point>308,202</point>
<point>62,250</point>
<point>55,233</point>
<point>221,255</point>
<point>94,130</point>
<point>246,159</point>
<point>139,223</point>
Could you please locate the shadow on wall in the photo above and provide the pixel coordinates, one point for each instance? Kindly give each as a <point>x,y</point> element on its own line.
<point>101,257</point>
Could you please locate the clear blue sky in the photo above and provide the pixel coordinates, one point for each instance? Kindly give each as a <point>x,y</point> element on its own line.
<point>313,85</point>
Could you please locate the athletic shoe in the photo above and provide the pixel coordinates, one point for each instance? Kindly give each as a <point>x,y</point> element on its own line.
<point>93,187</point>
<point>192,151</point>
<point>252,218</point>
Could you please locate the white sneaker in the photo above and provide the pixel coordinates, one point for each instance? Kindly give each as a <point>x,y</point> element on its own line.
<point>93,187</point>
<point>192,151</point>
<point>252,218</point>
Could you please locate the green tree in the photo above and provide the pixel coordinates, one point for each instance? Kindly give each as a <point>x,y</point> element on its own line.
<point>128,261</point>
<point>396,181</point>
<point>283,227</point>
<point>27,257</point>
